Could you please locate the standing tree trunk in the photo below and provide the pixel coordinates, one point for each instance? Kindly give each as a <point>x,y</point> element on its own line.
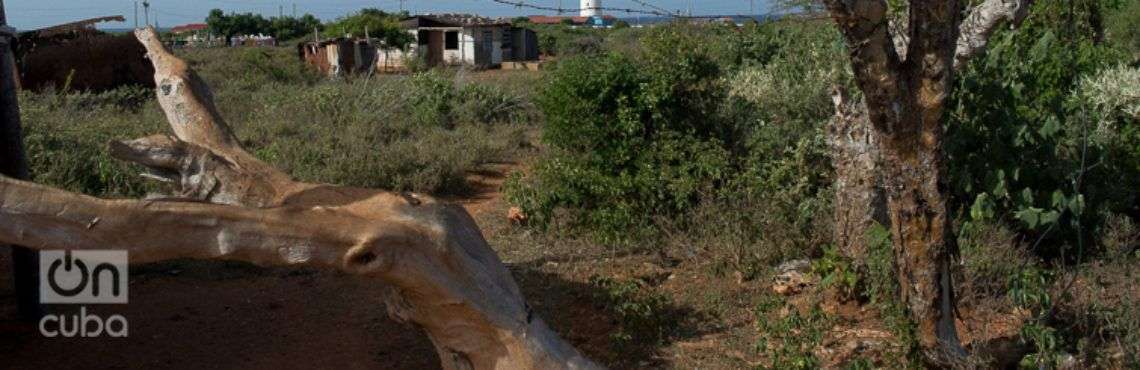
<point>905,78</point>
<point>25,262</point>
<point>859,199</point>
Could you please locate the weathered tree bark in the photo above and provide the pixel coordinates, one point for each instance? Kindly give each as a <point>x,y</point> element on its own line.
<point>905,80</point>
<point>230,205</point>
<point>25,262</point>
<point>860,201</point>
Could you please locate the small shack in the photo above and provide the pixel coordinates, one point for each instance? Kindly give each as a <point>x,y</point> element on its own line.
<point>195,35</point>
<point>340,56</point>
<point>253,40</point>
<point>460,39</point>
<point>76,56</point>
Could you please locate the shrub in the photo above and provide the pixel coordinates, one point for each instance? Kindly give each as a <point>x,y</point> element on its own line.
<point>1020,146</point>
<point>659,137</point>
<point>430,95</point>
<point>489,104</point>
<point>626,143</point>
<point>1121,26</point>
<point>1113,96</point>
<point>788,337</point>
<point>641,314</point>
<point>564,41</point>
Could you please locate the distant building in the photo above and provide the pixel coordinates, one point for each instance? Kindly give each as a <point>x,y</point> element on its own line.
<point>340,56</point>
<point>591,8</point>
<point>253,40</point>
<point>189,28</point>
<point>76,56</point>
<point>195,35</point>
<point>459,39</point>
<point>439,40</point>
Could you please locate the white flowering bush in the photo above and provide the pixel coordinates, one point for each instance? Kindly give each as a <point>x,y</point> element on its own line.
<point>1112,94</point>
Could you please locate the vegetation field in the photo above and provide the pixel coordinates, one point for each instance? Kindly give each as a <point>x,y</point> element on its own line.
<point>667,182</point>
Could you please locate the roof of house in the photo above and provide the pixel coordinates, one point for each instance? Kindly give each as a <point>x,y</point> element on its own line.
<point>336,40</point>
<point>188,28</point>
<point>450,20</point>
<point>77,26</point>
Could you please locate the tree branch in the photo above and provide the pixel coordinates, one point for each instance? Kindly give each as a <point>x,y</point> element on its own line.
<point>442,274</point>
<point>43,218</point>
<point>873,56</point>
<point>982,21</point>
<point>206,141</point>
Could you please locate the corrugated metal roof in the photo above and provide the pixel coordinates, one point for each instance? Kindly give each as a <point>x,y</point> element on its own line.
<point>86,24</point>
<point>450,20</point>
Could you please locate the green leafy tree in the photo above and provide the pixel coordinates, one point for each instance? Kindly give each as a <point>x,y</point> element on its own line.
<point>289,28</point>
<point>284,28</point>
<point>379,24</point>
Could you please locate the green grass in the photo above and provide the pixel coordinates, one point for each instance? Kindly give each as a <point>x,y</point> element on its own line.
<point>383,132</point>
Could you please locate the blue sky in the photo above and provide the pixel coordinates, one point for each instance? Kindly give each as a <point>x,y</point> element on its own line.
<point>31,14</point>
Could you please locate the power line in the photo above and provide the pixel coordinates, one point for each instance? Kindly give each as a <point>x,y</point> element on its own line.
<point>648,5</point>
<point>521,4</point>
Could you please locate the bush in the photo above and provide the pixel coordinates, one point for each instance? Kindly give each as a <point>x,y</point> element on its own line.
<point>1113,97</point>
<point>659,137</point>
<point>1122,28</point>
<point>626,143</point>
<point>1020,137</point>
<point>430,95</point>
<point>564,41</point>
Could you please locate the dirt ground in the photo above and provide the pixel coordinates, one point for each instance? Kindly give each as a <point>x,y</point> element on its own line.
<point>209,314</point>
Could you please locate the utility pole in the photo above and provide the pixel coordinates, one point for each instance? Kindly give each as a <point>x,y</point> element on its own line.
<point>280,11</point>
<point>294,10</point>
<point>146,12</point>
<point>13,163</point>
<point>401,6</point>
<point>136,15</point>
<point>752,8</point>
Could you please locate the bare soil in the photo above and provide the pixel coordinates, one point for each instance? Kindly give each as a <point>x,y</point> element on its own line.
<point>211,314</point>
<point>214,314</point>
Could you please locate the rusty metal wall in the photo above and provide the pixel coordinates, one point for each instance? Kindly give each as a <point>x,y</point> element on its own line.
<point>96,63</point>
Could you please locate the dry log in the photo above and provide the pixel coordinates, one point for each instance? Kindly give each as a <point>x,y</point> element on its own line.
<point>228,204</point>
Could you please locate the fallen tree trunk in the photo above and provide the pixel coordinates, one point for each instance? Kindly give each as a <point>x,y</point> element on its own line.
<point>227,204</point>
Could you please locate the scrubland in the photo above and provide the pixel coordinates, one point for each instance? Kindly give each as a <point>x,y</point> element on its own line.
<point>665,173</point>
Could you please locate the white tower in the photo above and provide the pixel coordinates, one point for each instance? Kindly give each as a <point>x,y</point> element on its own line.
<point>591,8</point>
